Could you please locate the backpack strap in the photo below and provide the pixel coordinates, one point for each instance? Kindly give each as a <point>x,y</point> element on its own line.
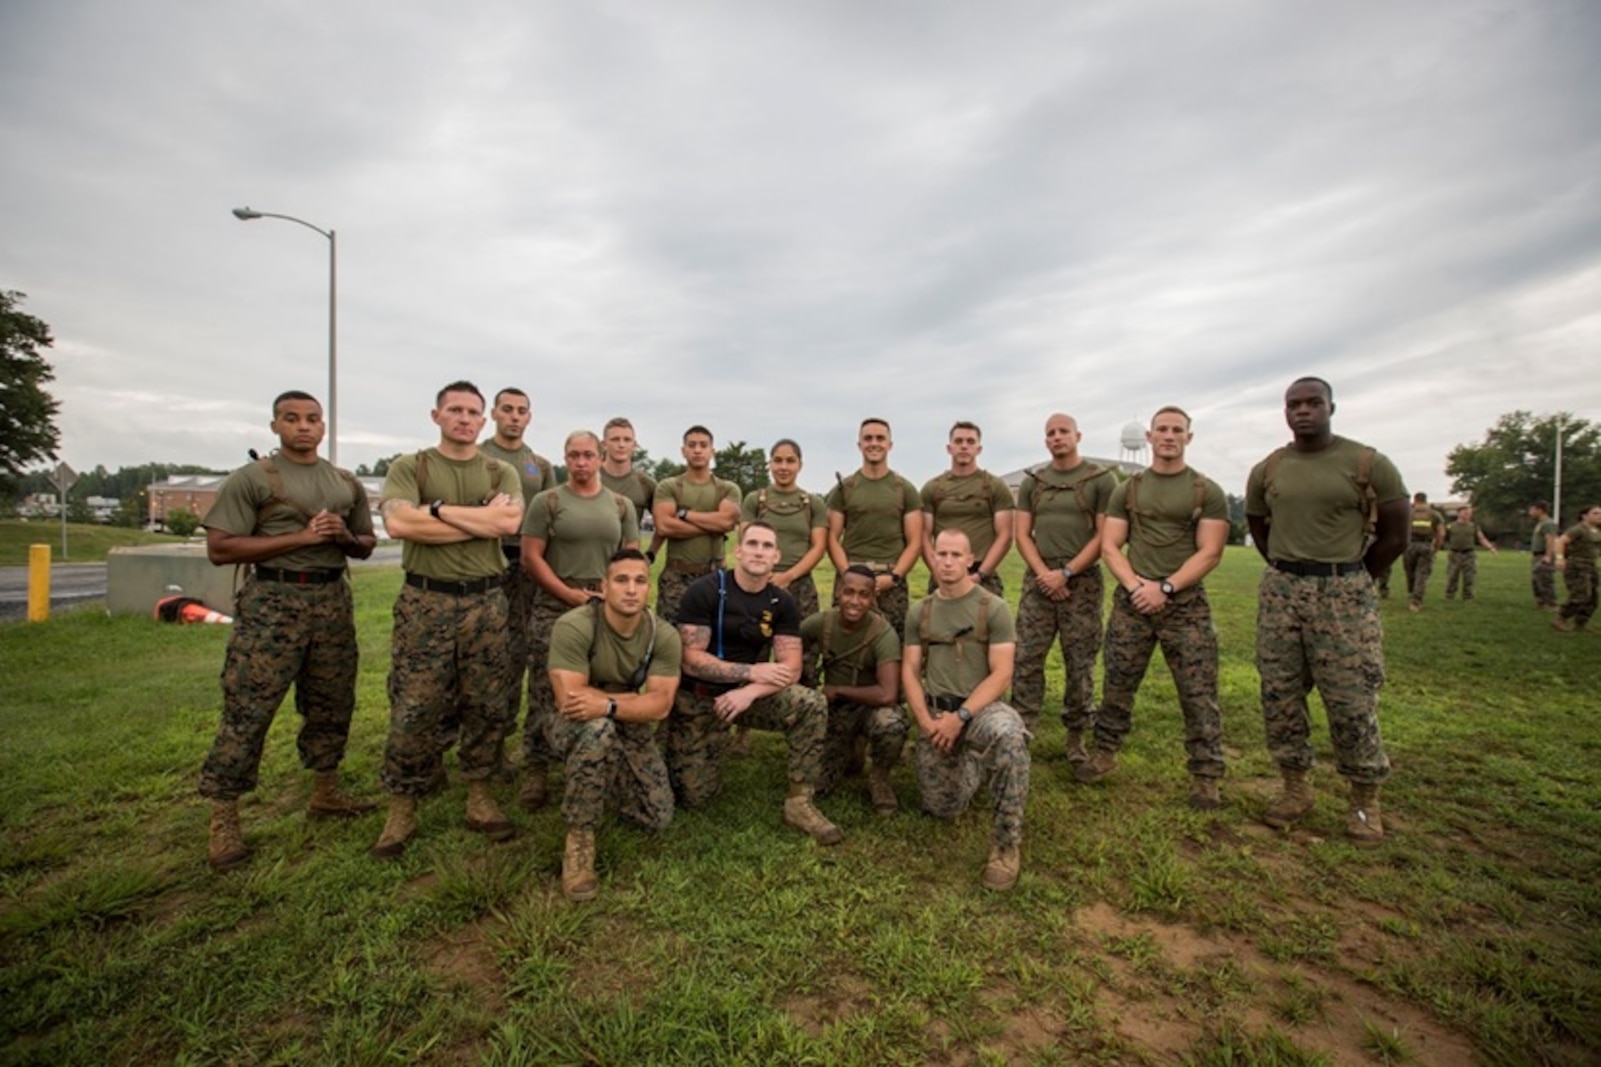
<point>278,495</point>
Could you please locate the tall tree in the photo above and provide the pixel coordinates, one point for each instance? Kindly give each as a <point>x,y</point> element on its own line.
<point>745,467</point>
<point>1515,465</point>
<point>27,412</point>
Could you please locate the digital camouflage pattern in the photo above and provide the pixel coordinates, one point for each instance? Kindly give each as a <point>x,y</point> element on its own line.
<point>521,593</point>
<point>541,698</point>
<point>695,741</point>
<point>1076,624</point>
<point>284,634</point>
<point>1189,645</point>
<point>670,586</point>
<point>1543,582</point>
<point>611,763</point>
<point>1327,630</point>
<point>993,748</point>
<point>883,729</point>
<point>1461,568</point>
<point>448,653</point>
<point>1418,562</point>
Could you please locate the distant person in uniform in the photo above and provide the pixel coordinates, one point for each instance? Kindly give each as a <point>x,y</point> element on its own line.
<point>1542,570</point>
<point>694,513</point>
<point>875,518</point>
<point>1575,555</point>
<point>973,500</point>
<point>1426,537</point>
<point>1463,537</point>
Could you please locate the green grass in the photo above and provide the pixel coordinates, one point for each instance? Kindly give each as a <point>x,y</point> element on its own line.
<point>86,542</point>
<point>1140,931</point>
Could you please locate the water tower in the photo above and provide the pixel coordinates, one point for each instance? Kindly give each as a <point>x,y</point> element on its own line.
<point>1133,442</point>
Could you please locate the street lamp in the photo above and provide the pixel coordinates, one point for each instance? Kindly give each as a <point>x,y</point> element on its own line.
<point>245,214</point>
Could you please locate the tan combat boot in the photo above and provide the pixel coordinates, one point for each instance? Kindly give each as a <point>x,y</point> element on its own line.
<point>881,791</point>
<point>1204,794</point>
<point>1098,766</point>
<point>1075,747</point>
<point>1005,863</point>
<point>398,828</point>
<point>1294,802</point>
<point>226,848</point>
<point>484,815</point>
<point>536,790</point>
<point>578,881</point>
<point>800,813</point>
<point>328,801</point>
<point>1364,826</point>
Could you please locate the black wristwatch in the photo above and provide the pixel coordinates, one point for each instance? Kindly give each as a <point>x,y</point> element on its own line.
<point>611,709</point>
<point>433,509</point>
<point>1166,587</point>
<point>965,715</point>
<point>683,514</point>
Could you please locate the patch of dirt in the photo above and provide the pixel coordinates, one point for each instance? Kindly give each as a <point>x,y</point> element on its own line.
<point>465,957</point>
<point>814,1012</point>
<point>1148,1007</point>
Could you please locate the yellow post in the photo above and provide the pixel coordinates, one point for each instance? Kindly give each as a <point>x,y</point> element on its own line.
<point>38,583</point>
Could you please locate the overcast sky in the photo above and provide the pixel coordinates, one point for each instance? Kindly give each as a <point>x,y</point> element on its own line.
<point>776,218</point>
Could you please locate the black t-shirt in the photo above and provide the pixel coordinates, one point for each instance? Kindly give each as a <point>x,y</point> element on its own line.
<point>749,620</point>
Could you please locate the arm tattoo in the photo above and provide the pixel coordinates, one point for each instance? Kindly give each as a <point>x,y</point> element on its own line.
<point>699,663</point>
<point>393,504</point>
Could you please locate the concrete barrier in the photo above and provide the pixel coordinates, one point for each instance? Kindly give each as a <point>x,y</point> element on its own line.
<point>139,575</point>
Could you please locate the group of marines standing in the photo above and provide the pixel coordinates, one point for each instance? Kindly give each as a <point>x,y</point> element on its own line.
<point>507,572</point>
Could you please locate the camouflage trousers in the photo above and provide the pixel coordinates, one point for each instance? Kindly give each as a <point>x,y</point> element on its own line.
<point>537,750</point>
<point>283,634</point>
<point>670,586</point>
<point>694,740</point>
<point>884,729</point>
<point>1076,624</point>
<point>611,764</point>
<point>1418,561</point>
<point>1323,632</point>
<point>1189,645</point>
<point>521,592</point>
<point>892,605</point>
<point>1543,581</point>
<point>448,654</point>
<point>1462,565</point>
<point>993,748</point>
<point>1579,577</point>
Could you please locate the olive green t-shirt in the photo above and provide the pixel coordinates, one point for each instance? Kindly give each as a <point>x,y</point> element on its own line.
<point>955,665</point>
<point>1544,531</point>
<point>793,515</point>
<point>580,532</point>
<point>307,489</point>
<point>1582,542</point>
<point>1064,505</point>
<point>1315,509</point>
<point>1161,537</point>
<point>1425,520</point>
<point>968,503</point>
<point>683,493</point>
<point>874,510</point>
<point>533,471</point>
<point>637,486</point>
<point>615,658</point>
<point>453,481</point>
<point>852,656</point>
<point>1461,536</point>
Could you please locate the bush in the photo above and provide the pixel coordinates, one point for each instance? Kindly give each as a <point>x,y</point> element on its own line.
<point>182,521</point>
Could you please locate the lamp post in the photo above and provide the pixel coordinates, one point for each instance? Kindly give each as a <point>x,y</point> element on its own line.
<point>245,214</point>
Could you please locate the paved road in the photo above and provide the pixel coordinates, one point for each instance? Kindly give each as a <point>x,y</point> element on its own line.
<point>78,584</point>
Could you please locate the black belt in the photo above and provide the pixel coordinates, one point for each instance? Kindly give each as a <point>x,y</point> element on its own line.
<point>435,585</point>
<point>273,574</point>
<point>946,702</point>
<point>1318,570</point>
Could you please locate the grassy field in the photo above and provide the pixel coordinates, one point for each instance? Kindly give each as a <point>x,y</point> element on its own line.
<point>86,542</point>
<point>1141,932</point>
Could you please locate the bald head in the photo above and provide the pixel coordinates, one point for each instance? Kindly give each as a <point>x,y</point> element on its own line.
<point>1061,438</point>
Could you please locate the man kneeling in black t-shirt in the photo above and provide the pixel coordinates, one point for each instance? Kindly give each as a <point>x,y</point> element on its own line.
<point>731,622</point>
